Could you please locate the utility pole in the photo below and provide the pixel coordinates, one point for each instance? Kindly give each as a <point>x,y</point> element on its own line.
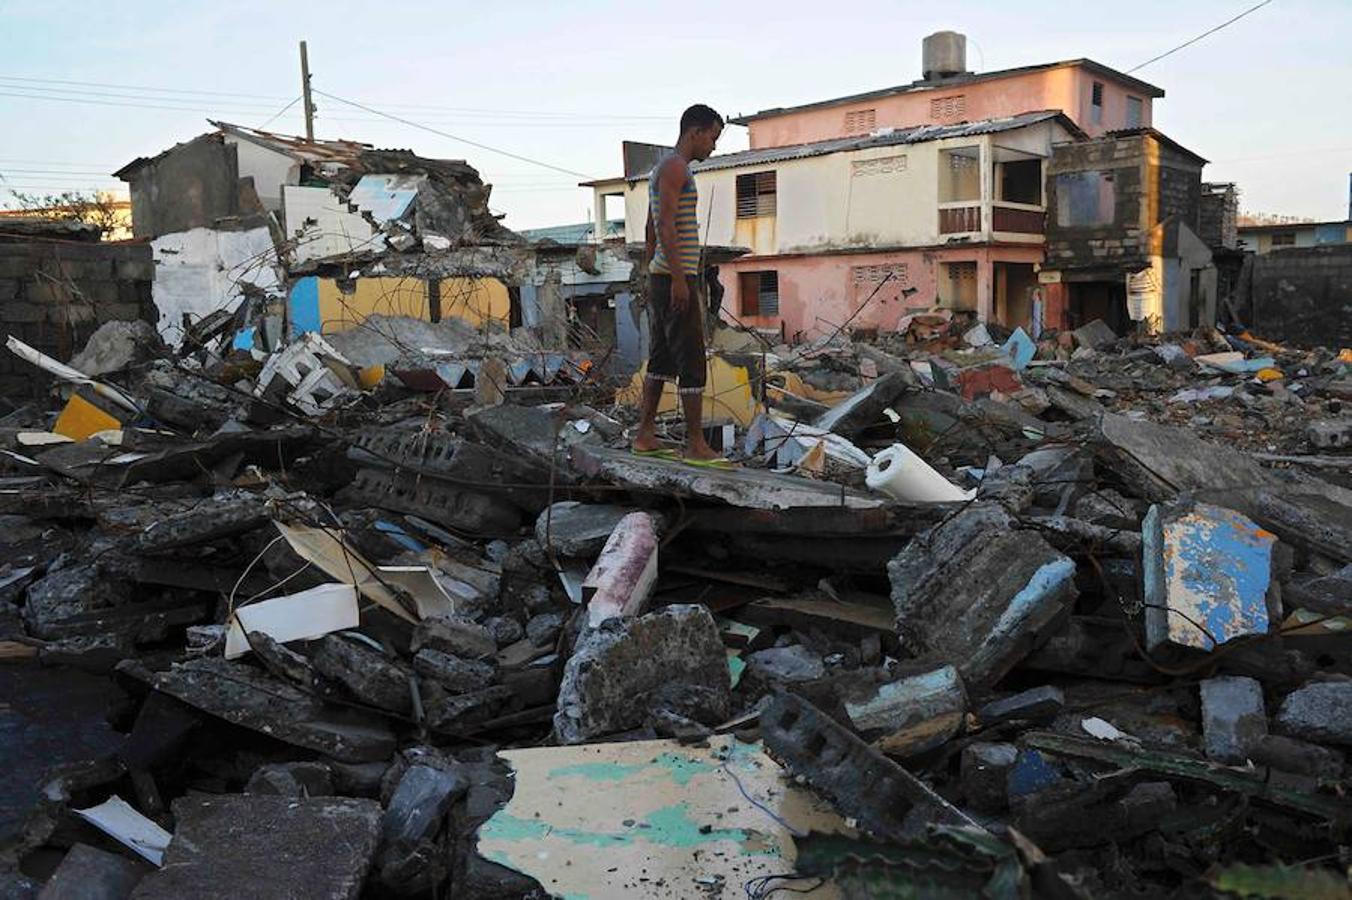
<point>305,93</point>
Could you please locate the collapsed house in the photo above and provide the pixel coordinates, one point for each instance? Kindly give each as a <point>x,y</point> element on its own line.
<point>977,613</point>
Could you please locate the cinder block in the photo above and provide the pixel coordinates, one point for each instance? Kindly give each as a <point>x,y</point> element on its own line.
<point>135,269</point>
<point>1330,434</point>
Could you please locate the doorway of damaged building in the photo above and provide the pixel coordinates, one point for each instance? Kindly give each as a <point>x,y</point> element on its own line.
<point>1100,298</point>
<point>1014,286</point>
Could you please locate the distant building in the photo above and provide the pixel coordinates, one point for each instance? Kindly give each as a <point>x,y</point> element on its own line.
<point>581,233</point>
<point>1263,239</point>
<point>114,212</point>
<point>927,194</point>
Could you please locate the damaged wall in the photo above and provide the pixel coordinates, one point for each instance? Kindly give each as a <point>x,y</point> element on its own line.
<point>329,305</point>
<point>200,271</point>
<point>54,294</point>
<point>1303,295</point>
<point>191,185</point>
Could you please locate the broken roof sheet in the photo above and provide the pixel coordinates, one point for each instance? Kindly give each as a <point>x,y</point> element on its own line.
<point>386,197</point>
<point>1158,135</point>
<point>1144,87</point>
<point>918,134</point>
<point>296,147</point>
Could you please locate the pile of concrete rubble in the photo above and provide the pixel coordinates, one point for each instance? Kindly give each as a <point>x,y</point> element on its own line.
<point>394,612</point>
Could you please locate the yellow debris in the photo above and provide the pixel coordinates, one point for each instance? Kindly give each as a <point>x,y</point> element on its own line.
<point>80,419</point>
<point>1269,374</point>
<point>370,376</point>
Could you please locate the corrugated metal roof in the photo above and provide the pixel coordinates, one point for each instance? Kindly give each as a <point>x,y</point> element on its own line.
<point>297,147</point>
<point>917,135</point>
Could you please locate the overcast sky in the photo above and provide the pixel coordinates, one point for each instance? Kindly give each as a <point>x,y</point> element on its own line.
<point>1266,99</point>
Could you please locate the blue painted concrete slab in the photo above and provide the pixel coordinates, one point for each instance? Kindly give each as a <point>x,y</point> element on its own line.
<point>1207,571</point>
<point>1020,348</point>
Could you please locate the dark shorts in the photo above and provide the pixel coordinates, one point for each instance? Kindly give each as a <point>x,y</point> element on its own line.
<point>675,339</point>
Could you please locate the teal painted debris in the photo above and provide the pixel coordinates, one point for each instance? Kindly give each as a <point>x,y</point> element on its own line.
<point>1207,573</point>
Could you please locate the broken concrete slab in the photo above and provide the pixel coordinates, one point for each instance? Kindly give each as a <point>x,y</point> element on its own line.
<point>978,593</point>
<point>255,846</point>
<point>538,434</point>
<point>861,782</point>
<point>578,530</point>
<point>1159,461</point>
<point>418,808</point>
<point>1233,717</point>
<point>87,873</point>
<point>454,673</point>
<point>1320,711</point>
<point>746,488</point>
<point>1035,703</point>
<point>865,407</point>
<point>1118,809</point>
<point>544,630</point>
<point>660,815</point>
<point>365,672</point>
<point>1300,757</point>
<point>673,658</point>
<point>243,696</point>
<point>455,635</point>
<point>224,516</point>
<point>912,715</point>
<point>1095,335</point>
<point>60,602</point>
<point>623,578</point>
<point>794,663</point>
<point>294,779</point>
<point>450,713</point>
<point>1330,434</point>
<point>117,345</point>
<point>1207,575</point>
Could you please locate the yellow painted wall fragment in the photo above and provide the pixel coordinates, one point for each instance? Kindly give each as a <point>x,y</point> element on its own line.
<point>80,419</point>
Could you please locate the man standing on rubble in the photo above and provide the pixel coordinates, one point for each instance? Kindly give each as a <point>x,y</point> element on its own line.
<point>676,315</point>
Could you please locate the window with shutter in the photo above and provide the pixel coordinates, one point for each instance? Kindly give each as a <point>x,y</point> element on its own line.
<point>944,108</point>
<point>760,293</point>
<point>861,121</point>
<point>756,195</point>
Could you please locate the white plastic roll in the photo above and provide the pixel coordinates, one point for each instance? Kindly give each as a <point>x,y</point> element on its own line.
<point>901,474</point>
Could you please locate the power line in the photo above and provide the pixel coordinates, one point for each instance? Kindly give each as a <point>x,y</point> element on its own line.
<point>185,102</point>
<point>278,113</point>
<point>78,174</point>
<point>189,109</point>
<point>1200,36</point>
<point>137,87</point>
<point>272,97</point>
<point>412,124</point>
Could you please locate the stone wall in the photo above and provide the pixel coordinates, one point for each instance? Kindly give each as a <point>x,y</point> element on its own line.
<point>1119,245</point>
<point>1303,295</point>
<point>54,294</point>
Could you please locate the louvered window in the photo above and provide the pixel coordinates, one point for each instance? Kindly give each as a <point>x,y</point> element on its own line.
<point>760,293</point>
<point>756,195</point>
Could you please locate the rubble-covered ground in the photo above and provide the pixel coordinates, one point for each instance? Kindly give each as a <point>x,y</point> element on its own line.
<point>395,613</point>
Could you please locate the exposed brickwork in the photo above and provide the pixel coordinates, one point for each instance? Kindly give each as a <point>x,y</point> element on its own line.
<point>54,294</point>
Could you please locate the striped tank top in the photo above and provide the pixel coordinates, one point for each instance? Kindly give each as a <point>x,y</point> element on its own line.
<point>687,229</point>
